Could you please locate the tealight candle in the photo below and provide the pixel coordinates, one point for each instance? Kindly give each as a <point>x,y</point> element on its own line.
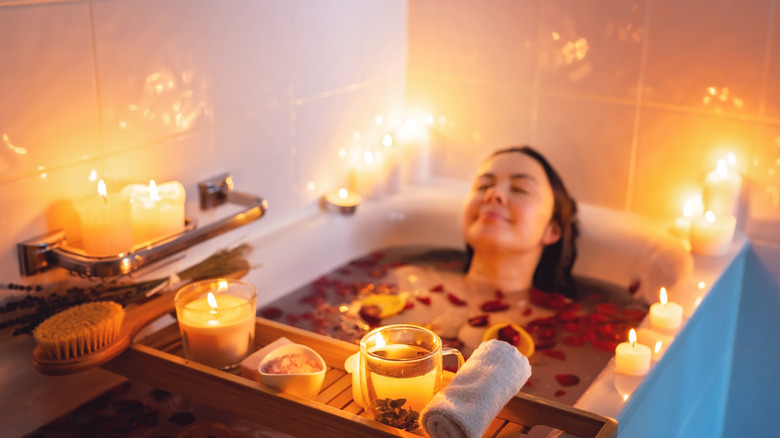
<point>105,223</point>
<point>722,187</point>
<point>659,341</point>
<point>631,358</point>
<point>712,235</point>
<point>342,201</point>
<point>666,315</point>
<point>157,210</point>
<point>217,321</point>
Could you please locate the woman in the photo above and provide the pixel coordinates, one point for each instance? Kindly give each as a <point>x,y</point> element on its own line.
<point>520,225</point>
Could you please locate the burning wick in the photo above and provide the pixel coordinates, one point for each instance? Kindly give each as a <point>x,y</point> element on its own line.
<point>102,191</point>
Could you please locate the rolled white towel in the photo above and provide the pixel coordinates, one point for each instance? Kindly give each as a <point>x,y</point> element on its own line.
<point>480,389</point>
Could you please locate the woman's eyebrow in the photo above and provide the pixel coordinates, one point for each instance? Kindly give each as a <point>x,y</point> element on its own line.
<point>523,176</point>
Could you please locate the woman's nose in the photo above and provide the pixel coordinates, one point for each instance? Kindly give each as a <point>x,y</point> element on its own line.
<point>495,194</point>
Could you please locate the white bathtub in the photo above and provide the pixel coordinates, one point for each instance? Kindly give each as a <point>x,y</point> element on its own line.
<point>615,247</point>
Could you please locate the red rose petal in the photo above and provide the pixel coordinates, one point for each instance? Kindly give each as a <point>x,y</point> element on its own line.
<point>345,271</point>
<point>454,299</point>
<point>566,316</point>
<point>573,327</point>
<point>596,318</point>
<point>546,334</point>
<point>542,322</point>
<point>573,341</point>
<point>499,295</point>
<point>527,312</point>
<point>567,379</point>
<point>409,305</point>
<point>509,334</point>
<point>438,288</point>
<point>424,300</point>
<point>494,306</point>
<point>634,286</point>
<point>560,393</point>
<point>272,313</point>
<point>555,354</point>
<point>529,383</point>
<point>607,308</point>
<point>479,320</point>
<point>291,319</point>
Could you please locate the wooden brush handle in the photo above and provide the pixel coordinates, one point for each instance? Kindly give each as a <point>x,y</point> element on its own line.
<point>136,317</point>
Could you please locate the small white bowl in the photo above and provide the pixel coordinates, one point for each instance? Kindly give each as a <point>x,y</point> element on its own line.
<point>305,385</point>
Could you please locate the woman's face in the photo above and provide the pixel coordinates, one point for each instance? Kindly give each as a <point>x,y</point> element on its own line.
<point>510,206</point>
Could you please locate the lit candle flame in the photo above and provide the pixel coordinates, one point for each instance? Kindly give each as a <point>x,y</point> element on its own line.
<point>701,285</point>
<point>212,302</point>
<point>658,346</point>
<point>731,159</point>
<point>102,191</point>
<point>709,216</point>
<point>688,208</point>
<point>368,157</point>
<point>722,169</point>
<point>632,338</point>
<point>387,140</point>
<point>664,298</point>
<point>343,193</point>
<point>153,193</point>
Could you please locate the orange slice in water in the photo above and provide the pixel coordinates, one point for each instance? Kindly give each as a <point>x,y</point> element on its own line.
<point>525,344</point>
<point>387,304</point>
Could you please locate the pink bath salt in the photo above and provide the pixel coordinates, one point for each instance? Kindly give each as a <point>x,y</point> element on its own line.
<point>292,364</point>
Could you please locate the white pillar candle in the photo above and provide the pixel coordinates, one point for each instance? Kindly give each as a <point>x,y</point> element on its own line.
<point>105,223</point>
<point>414,140</point>
<point>368,174</point>
<point>393,165</point>
<point>217,321</point>
<point>157,210</point>
<point>666,315</point>
<point>722,188</point>
<point>631,358</point>
<point>711,234</point>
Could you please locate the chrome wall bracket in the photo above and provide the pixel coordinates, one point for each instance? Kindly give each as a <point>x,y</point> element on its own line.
<point>51,250</point>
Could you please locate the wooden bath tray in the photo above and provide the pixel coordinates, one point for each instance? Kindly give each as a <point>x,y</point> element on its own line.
<point>158,362</point>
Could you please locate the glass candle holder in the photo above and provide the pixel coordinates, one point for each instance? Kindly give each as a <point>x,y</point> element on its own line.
<point>217,321</point>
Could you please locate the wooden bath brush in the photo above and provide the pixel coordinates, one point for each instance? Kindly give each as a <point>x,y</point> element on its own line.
<point>88,335</point>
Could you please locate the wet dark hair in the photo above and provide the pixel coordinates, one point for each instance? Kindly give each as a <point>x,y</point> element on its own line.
<point>553,273</point>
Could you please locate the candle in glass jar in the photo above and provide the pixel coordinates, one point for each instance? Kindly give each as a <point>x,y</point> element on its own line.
<point>105,223</point>
<point>711,234</point>
<point>631,358</point>
<point>217,329</point>
<point>666,315</point>
<point>157,210</point>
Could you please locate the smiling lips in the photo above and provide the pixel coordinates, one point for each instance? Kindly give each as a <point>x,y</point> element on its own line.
<point>492,216</point>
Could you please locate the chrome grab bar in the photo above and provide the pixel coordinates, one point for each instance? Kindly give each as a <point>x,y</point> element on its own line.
<point>50,250</point>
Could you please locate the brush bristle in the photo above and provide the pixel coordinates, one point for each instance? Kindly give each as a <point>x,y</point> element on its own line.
<point>79,330</point>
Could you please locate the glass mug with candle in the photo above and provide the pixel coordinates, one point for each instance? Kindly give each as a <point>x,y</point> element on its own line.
<point>401,361</point>
<point>217,321</point>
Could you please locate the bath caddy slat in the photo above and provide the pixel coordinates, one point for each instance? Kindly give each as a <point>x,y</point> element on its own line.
<point>157,362</point>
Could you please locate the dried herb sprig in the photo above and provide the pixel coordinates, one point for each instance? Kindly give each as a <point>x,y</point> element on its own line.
<point>25,313</point>
<point>392,413</point>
